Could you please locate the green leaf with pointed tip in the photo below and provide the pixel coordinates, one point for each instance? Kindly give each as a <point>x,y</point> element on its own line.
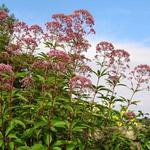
<point>56,122</point>
<point>13,124</point>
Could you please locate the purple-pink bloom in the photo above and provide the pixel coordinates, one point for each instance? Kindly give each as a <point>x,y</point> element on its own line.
<point>3,15</point>
<point>59,56</point>
<point>80,82</point>
<point>130,115</point>
<point>5,68</point>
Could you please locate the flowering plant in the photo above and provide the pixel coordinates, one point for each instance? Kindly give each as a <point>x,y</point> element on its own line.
<point>48,100</point>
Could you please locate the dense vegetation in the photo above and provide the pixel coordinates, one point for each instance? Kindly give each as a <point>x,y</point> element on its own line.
<point>48,101</point>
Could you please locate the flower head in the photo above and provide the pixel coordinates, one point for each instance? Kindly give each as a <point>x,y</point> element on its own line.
<point>5,68</point>
<point>130,115</point>
<point>140,74</point>
<point>104,46</point>
<point>26,81</point>
<point>40,64</point>
<point>59,55</point>
<point>80,82</point>
<point>6,82</point>
<point>35,29</point>
<point>3,15</point>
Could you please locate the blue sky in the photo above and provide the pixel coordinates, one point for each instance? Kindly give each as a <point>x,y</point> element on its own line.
<point>122,20</point>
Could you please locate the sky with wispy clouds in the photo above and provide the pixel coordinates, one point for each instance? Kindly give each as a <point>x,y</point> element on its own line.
<point>126,23</point>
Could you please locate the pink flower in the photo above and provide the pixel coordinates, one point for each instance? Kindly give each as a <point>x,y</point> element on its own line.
<point>84,69</point>
<point>59,56</point>
<point>118,62</point>
<point>3,15</point>
<point>85,15</point>
<point>120,53</point>
<point>59,60</point>
<point>35,29</point>
<point>26,81</point>
<point>70,29</point>
<point>104,50</point>
<point>130,115</point>
<point>52,25</point>
<point>20,27</point>
<point>5,68</point>
<point>29,41</point>
<point>140,74</point>
<point>80,82</point>
<point>104,46</point>
<point>6,82</point>
<point>13,49</point>
<point>40,64</point>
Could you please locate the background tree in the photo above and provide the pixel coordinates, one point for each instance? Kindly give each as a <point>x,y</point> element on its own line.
<point>6,27</point>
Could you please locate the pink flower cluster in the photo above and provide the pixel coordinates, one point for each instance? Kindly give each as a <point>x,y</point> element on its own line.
<point>84,69</point>
<point>13,49</point>
<point>26,81</point>
<point>29,42</point>
<point>85,15</point>
<point>116,60</point>
<point>130,115</point>
<point>20,27</point>
<point>6,82</point>
<point>80,82</point>
<point>3,15</point>
<point>35,29</point>
<point>59,60</point>
<point>26,37</point>
<point>70,29</point>
<point>104,46</point>
<point>140,74</point>
<point>40,64</point>
<point>104,51</point>
<point>59,55</point>
<point>5,68</point>
<point>119,62</point>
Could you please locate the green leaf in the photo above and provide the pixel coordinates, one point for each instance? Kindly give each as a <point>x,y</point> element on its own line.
<point>59,143</point>
<point>11,145</point>
<point>21,97</point>
<point>78,128</point>
<point>41,78</point>
<point>23,148</point>
<point>13,124</point>
<point>21,74</point>
<point>38,147</point>
<point>1,143</point>
<point>71,145</point>
<point>134,102</point>
<point>56,148</point>
<point>58,123</point>
<point>48,139</point>
<point>40,124</point>
<point>148,145</point>
<point>28,133</point>
<point>12,136</point>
